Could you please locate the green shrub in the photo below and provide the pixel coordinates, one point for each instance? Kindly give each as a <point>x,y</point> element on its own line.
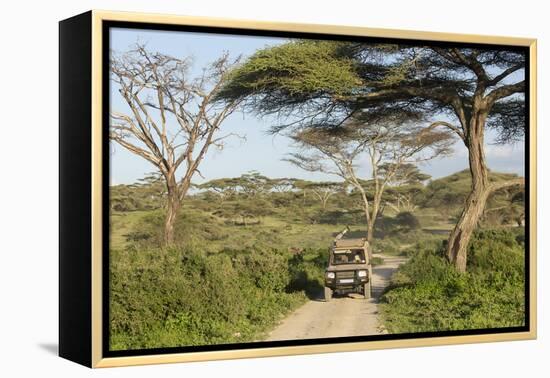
<point>186,296</point>
<point>377,261</point>
<point>349,217</point>
<point>407,220</point>
<point>307,271</point>
<point>428,294</point>
<point>406,243</point>
<point>386,246</point>
<point>191,226</point>
<point>403,225</point>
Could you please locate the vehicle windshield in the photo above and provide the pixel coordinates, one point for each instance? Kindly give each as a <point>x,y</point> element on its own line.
<point>348,256</point>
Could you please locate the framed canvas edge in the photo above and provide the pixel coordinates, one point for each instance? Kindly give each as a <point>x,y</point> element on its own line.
<point>98,16</point>
<point>309,349</point>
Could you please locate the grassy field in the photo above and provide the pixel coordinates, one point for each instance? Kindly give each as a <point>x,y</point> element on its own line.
<point>243,278</point>
<point>122,224</point>
<point>271,229</point>
<point>230,279</point>
<point>154,305</point>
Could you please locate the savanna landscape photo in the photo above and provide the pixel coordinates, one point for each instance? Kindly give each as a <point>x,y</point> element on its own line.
<point>268,188</point>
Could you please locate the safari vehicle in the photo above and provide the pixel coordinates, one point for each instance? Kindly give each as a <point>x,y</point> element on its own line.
<point>349,268</point>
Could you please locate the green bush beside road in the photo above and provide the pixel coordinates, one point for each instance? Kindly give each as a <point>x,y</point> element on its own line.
<point>428,294</point>
<point>186,296</point>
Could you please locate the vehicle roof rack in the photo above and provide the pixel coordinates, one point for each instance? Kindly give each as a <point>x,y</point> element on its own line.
<point>347,243</point>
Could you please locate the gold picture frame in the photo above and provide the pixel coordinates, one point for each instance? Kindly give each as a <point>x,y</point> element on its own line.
<point>82,267</point>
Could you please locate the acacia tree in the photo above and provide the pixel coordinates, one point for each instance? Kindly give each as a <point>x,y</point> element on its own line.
<point>253,184</point>
<point>324,190</point>
<point>462,89</point>
<point>225,188</point>
<point>385,144</point>
<point>153,187</point>
<point>468,89</point>
<point>171,119</point>
<point>406,174</point>
<point>405,185</point>
<point>507,206</point>
<point>282,185</point>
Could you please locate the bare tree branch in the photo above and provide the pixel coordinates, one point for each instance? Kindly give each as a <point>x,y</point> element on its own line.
<point>171,118</point>
<point>504,91</point>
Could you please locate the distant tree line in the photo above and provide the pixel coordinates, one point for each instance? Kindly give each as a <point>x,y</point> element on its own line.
<point>251,196</point>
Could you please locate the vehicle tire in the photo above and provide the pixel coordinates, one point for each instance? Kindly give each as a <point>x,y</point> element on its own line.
<point>328,294</point>
<point>367,290</point>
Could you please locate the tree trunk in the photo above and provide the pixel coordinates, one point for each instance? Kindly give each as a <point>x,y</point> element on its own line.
<point>370,219</point>
<point>370,230</point>
<point>373,218</point>
<point>457,247</point>
<point>172,209</point>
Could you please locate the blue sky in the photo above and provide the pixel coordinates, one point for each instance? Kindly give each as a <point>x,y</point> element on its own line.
<point>260,151</point>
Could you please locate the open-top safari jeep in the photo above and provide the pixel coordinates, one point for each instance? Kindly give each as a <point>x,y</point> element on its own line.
<point>349,268</point>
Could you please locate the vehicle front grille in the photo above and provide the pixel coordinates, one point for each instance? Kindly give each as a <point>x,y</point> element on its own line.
<point>345,274</point>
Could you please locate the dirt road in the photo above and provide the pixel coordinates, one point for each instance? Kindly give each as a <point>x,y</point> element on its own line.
<point>347,315</point>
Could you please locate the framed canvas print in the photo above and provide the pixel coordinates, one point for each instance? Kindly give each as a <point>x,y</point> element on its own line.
<point>234,189</point>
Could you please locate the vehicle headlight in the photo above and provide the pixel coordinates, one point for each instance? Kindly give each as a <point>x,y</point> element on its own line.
<point>330,275</point>
<point>362,273</point>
